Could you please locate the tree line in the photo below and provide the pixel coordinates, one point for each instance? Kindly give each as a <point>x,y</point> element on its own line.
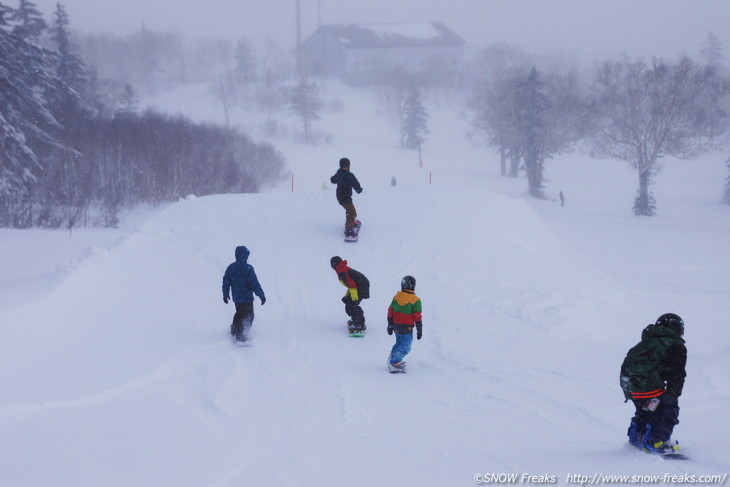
<point>633,110</point>
<point>71,156</point>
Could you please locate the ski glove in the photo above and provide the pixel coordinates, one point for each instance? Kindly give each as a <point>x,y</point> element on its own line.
<point>419,330</point>
<point>390,329</point>
<point>225,299</point>
<point>263,300</point>
<point>360,191</point>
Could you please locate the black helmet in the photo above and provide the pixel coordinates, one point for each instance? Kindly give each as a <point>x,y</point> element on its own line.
<point>408,282</point>
<point>335,261</point>
<point>671,321</point>
<point>344,163</point>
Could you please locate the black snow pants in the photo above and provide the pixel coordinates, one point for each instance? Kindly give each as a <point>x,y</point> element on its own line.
<point>242,320</point>
<point>355,312</point>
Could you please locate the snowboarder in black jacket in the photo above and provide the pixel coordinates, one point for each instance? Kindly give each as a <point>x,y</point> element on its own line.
<point>652,376</point>
<point>346,182</point>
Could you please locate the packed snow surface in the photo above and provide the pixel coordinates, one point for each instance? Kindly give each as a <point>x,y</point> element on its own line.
<point>117,368</point>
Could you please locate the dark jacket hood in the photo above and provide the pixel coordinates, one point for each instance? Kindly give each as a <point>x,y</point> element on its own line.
<point>657,331</point>
<point>242,254</point>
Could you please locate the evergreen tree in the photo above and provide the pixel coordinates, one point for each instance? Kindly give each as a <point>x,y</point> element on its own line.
<point>26,123</point>
<point>70,68</point>
<point>711,51</point>
<point>414,124</point>
<point>307,103</point>
<point>531,106</point>
<point>128,102</point>
<point>245,69</point>
<point>28,20</point>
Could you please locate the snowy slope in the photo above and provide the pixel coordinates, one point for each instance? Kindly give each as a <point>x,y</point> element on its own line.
<point>122,373</point>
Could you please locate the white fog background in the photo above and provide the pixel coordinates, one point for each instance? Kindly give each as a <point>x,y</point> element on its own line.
<point>592,29</point>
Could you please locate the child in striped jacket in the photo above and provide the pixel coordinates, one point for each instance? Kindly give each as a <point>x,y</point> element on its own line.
<point>404,313</point>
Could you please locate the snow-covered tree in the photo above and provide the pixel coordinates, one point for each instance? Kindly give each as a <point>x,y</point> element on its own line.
<point>245,62</point>
<point>306,102</point>
<point>28,21</point>
<point>531,107</point>
<point>128,102</point>
<point>647,111</point>
<point>414,124</point>
<point>27,81</point>
<point>70,67</point>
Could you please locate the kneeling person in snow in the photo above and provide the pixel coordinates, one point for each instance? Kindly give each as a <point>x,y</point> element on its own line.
<point>404,313</point>
<point>358,288</point>
<point>652,376</point>
<point>240,277</point>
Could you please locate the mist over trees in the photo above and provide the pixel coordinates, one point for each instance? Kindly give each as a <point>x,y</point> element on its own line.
<point>631,110</point>
<point>644,111</point>
<point>526,116</point>
<point>70,157</point>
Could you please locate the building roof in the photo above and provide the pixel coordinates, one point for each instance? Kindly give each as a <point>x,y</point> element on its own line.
<point>371,36</point>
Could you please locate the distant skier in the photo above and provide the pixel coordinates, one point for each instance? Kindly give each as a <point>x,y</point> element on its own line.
<point>240,277</point>
<point>346,182</point>
<point>358,288</point>
<point>652,376</point>
<point>562,198</point>
<point>404,313</point>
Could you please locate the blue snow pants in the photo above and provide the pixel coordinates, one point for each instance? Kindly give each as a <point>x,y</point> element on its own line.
<point>401,348</point>
<point>650,427</point>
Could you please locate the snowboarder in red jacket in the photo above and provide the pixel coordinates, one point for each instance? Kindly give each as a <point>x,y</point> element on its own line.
<point>358,288</point>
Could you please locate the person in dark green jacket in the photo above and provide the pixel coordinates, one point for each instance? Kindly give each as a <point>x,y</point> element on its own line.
<point>652,377</point>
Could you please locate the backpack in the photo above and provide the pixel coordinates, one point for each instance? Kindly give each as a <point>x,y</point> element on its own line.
<point>642,369</point>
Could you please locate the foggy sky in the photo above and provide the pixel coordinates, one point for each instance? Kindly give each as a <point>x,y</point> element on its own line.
<point>594,29</point>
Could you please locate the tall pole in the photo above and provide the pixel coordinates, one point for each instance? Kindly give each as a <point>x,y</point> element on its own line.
<point>299,39</point>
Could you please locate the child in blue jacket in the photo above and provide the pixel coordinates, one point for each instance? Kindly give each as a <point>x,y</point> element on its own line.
<point>240,277</point>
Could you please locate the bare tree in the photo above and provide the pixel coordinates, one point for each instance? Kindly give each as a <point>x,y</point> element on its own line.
<point>647,111</point>
<point>494,121</point>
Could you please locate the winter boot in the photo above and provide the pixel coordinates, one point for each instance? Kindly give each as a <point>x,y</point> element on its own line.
<point>662,447</point>
<point>397,367</point>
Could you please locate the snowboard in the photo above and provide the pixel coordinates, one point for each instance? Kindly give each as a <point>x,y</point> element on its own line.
<point>396,370</point>
<point>354,333</point>
<point>241,342</point>
<point>244,341</point>
<point>671,455</point>
<point>356,230</point>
